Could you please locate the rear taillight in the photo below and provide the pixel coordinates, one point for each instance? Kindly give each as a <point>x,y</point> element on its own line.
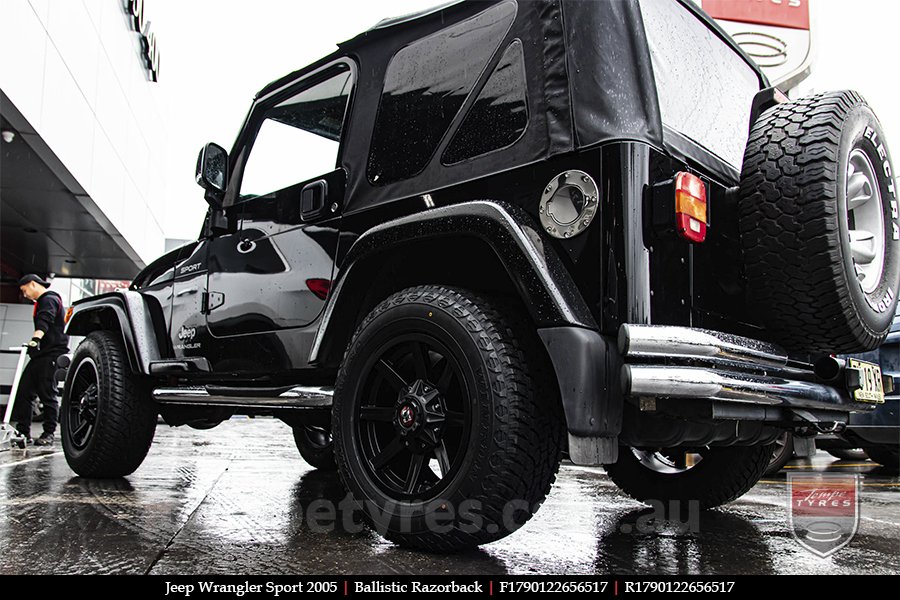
<point>690,207</point>
<point>319,287</point>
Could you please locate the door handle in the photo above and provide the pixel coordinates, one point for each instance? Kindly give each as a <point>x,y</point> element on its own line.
<point>313,200</point>
<point>186,291</point>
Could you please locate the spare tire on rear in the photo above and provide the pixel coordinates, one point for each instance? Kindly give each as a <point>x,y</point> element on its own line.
<point>819,224</point>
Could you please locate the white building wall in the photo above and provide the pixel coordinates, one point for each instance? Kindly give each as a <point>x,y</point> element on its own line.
<point>854,47</point>
<point>73,69</point>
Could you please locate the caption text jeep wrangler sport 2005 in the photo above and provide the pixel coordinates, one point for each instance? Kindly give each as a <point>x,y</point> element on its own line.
<point>476,238</point>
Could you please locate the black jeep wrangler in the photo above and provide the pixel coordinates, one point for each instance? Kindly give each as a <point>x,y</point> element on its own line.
<point>478,237</point>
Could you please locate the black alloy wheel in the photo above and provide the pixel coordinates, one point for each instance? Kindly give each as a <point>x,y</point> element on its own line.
<point>107,417</point>
<point>447,425</point>
<point>710,476</point>
<point>782,453</point>
<point>316,446</point>
<point>83,405</point>
<point>415,417</point>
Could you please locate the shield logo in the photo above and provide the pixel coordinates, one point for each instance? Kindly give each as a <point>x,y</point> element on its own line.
<point>774,33</point>
<point>824,510</point>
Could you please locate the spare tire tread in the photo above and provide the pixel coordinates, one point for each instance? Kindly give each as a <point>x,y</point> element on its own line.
<point>790,229</point>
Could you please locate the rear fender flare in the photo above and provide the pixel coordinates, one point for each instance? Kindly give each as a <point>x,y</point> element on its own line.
<point>533,266</point>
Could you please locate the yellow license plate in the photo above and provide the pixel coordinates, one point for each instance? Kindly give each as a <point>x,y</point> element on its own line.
<point>871,387</point>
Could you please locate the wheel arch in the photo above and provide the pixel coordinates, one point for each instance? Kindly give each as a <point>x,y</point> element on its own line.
<point>126,314</point>
<point>485,246</point>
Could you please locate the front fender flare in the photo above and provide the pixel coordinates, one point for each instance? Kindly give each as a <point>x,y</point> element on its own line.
<point>128,311</point>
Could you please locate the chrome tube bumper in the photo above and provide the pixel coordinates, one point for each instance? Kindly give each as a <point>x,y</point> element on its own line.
<point>680,362</point>
<point>664,341</point>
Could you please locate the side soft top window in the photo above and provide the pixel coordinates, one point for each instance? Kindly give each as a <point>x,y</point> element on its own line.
<point>499,116</point>
<point>425,86</point>
<point>705,88</point>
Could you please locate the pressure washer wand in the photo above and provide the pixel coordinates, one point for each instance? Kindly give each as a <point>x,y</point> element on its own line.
<point>8,434</point>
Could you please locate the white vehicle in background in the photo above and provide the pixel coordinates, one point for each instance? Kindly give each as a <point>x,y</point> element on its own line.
<point>16,327</point>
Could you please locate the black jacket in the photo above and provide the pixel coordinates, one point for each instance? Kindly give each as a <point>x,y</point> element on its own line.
<point>49,317</point>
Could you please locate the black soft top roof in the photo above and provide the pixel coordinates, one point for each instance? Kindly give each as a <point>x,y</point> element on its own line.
<point>399,20</point>
<point>589,75</point>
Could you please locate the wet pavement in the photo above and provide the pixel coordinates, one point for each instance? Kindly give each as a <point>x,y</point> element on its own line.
<point>239,499</point>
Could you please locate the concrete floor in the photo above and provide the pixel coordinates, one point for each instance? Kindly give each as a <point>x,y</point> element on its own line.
<point>234,500</point>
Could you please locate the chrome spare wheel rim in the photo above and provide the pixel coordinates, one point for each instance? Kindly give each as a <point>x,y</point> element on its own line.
<point>865,220</point>
<point>667,460</point>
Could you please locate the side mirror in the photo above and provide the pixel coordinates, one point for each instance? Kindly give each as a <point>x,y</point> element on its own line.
<point>212,169</point>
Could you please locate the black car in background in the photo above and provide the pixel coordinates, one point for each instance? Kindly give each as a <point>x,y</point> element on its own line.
<point>874,435</point>
<point>877,432</point>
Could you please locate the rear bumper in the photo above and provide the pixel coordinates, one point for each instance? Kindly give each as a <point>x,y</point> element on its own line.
<point>690,375</point>
<point>733,386</point>
<point>680,362</point>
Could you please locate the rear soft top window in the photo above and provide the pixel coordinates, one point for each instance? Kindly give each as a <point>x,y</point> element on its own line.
<point>705,88</point>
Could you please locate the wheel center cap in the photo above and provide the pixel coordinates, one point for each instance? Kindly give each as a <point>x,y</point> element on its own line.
<point>419,416</point>
<point>406,416</point>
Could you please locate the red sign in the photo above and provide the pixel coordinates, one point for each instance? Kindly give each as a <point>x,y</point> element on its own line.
<point>816,500</point>
<point>780,13</point>
<point>104,286</point>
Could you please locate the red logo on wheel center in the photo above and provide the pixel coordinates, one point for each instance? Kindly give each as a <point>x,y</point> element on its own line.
<point>407,415</point>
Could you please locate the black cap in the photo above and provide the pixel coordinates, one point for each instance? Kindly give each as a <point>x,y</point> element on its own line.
<point>32,277</point>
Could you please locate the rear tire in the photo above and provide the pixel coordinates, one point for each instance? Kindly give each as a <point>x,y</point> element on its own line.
<point>107,417</point>
<point>316,447</point>
<point>854,454</point>
<point>782,452</point>
<point>445,431</point>
<point>723,474</point>
<point>819,224</point>
<point>886,456</point>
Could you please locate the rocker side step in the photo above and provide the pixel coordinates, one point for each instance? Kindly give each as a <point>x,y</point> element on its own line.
<point>300,396</point>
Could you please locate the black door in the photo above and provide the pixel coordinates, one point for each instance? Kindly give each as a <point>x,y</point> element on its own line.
<point>187,331</point>
<point>268,281</point>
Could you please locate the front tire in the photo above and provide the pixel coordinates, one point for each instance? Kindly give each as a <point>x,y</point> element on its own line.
<point>855,454</point>
<point>445,432</point>
<point>107,417</point>
<point>782,452</point>
<point>722,473</point>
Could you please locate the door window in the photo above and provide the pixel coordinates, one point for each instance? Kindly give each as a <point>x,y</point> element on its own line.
<point>299,138</point>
